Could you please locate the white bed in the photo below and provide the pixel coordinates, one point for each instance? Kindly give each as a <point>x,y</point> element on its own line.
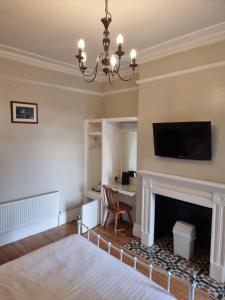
<point>74,268</point>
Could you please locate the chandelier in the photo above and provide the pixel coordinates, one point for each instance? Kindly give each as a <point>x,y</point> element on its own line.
<point>110,62</point>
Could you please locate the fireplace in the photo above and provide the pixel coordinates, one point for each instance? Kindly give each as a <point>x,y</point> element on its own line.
<point>169,210</point>
<point>205,194</point>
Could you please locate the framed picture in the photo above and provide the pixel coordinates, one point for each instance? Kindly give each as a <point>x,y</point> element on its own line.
<point>24,112</point>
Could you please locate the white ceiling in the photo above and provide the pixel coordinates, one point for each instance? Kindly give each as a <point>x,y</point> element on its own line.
<point>51,28</point>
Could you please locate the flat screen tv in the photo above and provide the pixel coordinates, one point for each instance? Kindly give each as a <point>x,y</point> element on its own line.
<point>186,140</point>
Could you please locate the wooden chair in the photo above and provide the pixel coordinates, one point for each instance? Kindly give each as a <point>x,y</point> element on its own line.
<point>115,207</point>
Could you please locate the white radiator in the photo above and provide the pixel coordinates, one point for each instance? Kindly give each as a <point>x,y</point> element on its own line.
<point>25,217</point>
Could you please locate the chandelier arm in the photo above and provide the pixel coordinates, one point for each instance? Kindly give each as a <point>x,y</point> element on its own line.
<point>89,80</point>
<point>94,74</point>
<point>91,74</point>
<point>80,67</point>
<point>110,67</point>
<point>118,66</point>
<point>126,79</point>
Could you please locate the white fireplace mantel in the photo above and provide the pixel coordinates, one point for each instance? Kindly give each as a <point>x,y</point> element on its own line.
<point>200,192</point>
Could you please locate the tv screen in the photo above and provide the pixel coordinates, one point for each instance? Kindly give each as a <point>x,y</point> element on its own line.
<point>187,140</point>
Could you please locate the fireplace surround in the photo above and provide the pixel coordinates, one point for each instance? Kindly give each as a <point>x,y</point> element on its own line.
<point>200,192</point>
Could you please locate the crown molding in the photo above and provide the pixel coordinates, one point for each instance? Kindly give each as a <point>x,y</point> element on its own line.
<point>218,64</point>
<point>63,87</point>
<point>52,85</point>
<point>186,42</point>
<point>40,61</point>
<point>36,60</point>
<point>205,36</point>
<point>131,89</point>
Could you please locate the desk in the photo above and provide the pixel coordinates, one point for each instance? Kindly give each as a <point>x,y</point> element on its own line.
<point>128,189</point>
<point>93,195</point>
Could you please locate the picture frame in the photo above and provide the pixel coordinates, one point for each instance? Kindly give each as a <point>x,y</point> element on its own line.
<point>24,112</point>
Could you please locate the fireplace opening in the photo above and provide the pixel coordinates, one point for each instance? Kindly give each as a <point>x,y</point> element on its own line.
<point>169,210</point>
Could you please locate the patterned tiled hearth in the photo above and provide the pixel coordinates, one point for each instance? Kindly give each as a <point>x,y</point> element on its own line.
<point>161,254</point>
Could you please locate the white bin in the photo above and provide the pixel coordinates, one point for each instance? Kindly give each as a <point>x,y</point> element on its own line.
<point>184,236</point>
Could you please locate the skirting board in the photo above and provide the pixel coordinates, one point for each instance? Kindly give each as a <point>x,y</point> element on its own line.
<point>217,272</point>
<point>137,230</point>
<point>68,216</point>
<point>20,233</point>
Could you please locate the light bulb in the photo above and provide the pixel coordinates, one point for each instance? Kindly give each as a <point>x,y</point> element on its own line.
<point>119,40</point>
<point>81,44</point>
<point>113,61</point>
<point>84,57</point>
<point>133,54</point>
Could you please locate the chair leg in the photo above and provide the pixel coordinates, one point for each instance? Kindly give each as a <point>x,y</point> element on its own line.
<point>129,217</point>
<point>115,226</point>
<point>106,220</point>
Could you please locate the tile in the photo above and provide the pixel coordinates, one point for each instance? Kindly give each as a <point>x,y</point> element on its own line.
<point>161,255</point>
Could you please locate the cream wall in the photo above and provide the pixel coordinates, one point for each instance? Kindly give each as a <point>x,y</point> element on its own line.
<point>123,104</point>
<point>120,98</point>
<point>40,158</point>
<point>188,59</point>
<point>24,71</point>
<point>49,156</point>
<point>197,96</point>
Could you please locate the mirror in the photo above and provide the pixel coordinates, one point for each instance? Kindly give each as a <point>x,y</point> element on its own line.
<point>129,151</point>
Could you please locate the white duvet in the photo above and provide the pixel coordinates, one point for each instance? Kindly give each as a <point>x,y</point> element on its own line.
<point>74,268</point>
